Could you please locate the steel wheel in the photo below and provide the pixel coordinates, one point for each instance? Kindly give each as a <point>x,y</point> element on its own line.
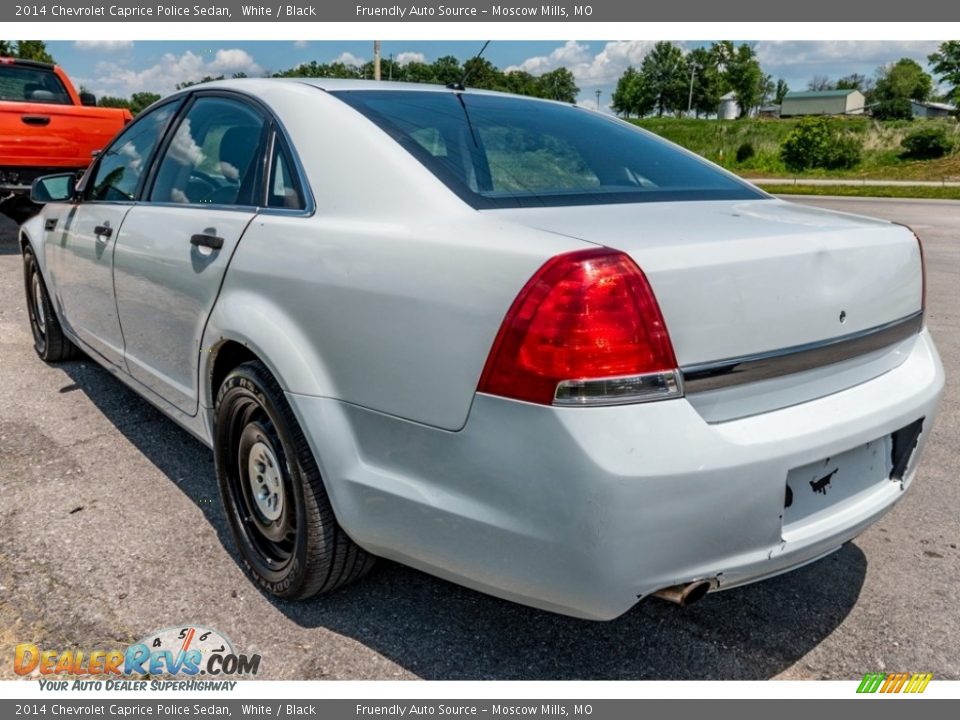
<point>275,499</point>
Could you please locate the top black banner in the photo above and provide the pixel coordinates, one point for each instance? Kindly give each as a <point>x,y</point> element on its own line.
<point>474,11</point>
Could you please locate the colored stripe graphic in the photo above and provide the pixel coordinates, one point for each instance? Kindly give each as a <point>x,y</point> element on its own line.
<point>918,683</point>
<point>894,682</point>
<point>871,682</point>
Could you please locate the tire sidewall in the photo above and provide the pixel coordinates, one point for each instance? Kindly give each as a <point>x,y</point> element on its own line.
<point>242,383</point>
<point>31,269</point>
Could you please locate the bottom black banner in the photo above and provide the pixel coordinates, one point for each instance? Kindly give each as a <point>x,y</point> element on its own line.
<point>620,709</point>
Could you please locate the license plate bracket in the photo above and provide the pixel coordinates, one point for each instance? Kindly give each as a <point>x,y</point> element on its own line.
<point>826,486</point>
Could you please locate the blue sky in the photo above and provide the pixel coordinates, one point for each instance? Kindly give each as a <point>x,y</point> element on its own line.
<point>117,67</point>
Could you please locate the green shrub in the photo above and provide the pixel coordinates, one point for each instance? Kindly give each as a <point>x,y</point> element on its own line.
<point>745,152</point>
<point>896,109</point>
<point>815,143</point>
<point>927,143</point>
<point>846,153</point>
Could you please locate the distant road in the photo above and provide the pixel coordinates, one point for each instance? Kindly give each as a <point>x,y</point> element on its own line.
<point>853,181</point>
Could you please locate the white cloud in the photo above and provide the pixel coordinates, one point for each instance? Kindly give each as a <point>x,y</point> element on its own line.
<point>348,58</point>
<point>226,62</point>
<point>301,44</point>
<point>569,54</point>
<point>602,68</point>
<point>113,79</point>
<point>405,58</point>
<point>103,46</point>
<point>839,52</point>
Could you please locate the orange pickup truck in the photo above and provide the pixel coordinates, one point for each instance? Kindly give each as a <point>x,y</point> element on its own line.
<point>46,126</point>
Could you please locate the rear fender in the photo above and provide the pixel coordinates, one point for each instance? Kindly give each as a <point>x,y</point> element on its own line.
<point>260,325</point>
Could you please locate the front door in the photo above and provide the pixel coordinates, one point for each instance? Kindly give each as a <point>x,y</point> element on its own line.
<point>80,250</point>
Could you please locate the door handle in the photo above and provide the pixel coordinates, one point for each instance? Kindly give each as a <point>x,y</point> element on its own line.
<point>205,240</point>
<point>35,119</point>
<point>103,231</point>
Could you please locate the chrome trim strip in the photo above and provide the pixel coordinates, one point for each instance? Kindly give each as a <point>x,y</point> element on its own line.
<point>776,363</point>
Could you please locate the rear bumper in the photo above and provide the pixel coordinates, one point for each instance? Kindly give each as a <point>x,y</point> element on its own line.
<point>584,510</point>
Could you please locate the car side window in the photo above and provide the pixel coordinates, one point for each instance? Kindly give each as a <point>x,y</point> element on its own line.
<point>123,163</point>
<point>283,189</point>
<point>214,157</point>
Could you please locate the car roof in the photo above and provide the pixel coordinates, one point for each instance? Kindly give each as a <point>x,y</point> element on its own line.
<point>339,84</point>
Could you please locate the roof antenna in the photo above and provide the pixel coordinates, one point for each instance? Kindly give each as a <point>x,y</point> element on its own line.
<point>462,85</point>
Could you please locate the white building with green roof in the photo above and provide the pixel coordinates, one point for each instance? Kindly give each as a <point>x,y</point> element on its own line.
<point>823,102</point>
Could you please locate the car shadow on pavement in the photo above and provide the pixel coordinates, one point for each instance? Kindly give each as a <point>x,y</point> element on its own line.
<point>8,237</point>
<point>440,631</point>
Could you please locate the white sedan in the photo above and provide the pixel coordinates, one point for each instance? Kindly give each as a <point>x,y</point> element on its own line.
<point>513,343</point>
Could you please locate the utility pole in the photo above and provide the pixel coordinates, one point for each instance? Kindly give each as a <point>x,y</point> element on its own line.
<point>693,72</point>
<point>376,59</point>
<point>598,99</point>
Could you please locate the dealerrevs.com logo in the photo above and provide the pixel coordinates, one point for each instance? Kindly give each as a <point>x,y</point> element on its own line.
<point>176,652</point>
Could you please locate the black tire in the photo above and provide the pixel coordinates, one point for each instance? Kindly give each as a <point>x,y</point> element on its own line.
<point>48,339</point>
<point>289,539</point>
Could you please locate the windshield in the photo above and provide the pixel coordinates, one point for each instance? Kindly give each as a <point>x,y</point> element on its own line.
<point>500,151</point>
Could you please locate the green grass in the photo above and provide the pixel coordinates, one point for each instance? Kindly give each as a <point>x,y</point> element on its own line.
<point>718,140</point>
<point>938,193</point>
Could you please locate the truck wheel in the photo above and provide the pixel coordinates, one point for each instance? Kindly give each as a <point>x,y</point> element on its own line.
<point>48,339</point>
<point>276,503</point>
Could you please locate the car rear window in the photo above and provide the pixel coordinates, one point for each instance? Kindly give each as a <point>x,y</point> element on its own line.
<point>499,151</point>
<point>26,84</point>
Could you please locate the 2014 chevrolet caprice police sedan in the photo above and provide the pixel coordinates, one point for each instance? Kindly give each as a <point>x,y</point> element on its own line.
<point>514,343</point>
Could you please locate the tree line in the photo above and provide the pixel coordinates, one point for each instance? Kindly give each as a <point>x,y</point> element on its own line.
<point>670,81</point>
<point>557,84</point>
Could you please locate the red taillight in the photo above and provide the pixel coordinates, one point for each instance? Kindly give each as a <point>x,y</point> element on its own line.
<point>585,330</point>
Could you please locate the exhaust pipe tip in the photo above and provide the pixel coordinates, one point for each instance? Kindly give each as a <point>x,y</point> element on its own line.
<point>684,594</point>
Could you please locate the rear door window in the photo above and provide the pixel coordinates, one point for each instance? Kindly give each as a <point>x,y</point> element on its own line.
<point>215,156</point>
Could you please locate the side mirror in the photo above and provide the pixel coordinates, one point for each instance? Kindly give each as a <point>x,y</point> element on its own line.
<point>53,188</point>
<point>88,99</point>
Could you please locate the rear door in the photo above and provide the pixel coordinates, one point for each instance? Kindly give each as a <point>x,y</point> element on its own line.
<point>175,247</point>
<point>80,250</point>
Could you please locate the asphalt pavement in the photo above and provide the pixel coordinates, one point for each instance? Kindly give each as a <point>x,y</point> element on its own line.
<point>110,528</point>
